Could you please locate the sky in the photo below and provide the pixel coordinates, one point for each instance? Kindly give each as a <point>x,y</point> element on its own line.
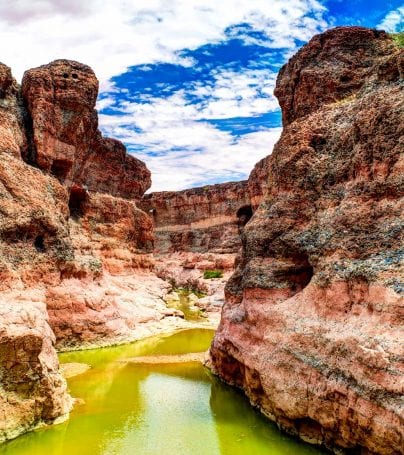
<point>187,85</point>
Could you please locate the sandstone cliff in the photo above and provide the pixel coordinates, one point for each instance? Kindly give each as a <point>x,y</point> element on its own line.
<point>310,327</point>
<point>199,220</point>
<point>74,247</point>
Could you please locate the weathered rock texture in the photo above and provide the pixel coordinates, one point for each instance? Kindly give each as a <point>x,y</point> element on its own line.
<point>199,220</point>
<point>32,392</point>
<point>65,140</point>
<point>72,240</point>
<point>311,324</point>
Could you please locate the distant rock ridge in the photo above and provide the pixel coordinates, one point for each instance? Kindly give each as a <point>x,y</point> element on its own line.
<point>310,328</point>
<point>201,220</point>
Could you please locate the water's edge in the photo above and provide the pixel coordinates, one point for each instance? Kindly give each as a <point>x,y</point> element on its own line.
<point>126,408</point>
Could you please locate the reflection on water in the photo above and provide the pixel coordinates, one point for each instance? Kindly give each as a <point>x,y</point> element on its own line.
<point>155,409</point>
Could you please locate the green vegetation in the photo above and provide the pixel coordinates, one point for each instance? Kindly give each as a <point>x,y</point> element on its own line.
<point>95,265</point>
<point>209,274</point>
<point>183,299</point>
<point>398,38</point>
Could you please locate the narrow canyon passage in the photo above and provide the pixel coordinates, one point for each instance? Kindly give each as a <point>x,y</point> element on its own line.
<point>298,269</point>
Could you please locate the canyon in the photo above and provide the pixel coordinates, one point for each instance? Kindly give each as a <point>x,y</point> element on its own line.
<point>307,250</point>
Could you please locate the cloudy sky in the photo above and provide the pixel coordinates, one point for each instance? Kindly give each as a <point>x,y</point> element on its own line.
<point>187,85</point>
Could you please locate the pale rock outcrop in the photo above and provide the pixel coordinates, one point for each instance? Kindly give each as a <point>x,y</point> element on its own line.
<point>32,391</point>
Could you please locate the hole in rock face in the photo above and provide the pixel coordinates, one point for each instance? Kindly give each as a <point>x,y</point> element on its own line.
<point>39,244</point>
<point>344,79</point>
<point>78,197</point>
<point>302,277</point>
<point>297,275</point>
<point>65,75</point>
<point>75,76</point>
<point>244,215</point>
<point>60,169</point>
<point>309,428</point>
<point>317,141</point>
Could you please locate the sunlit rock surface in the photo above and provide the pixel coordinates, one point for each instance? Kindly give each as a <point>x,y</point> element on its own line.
<point>75,250</point>
<point>311,324</point>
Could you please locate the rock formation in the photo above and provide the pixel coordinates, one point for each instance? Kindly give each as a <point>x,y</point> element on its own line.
<point>196,230</point>
<point>310,327</point>
<point>32,391</point>
<point>74,247</point>
<point>199,220</point>
<point>64,136</point>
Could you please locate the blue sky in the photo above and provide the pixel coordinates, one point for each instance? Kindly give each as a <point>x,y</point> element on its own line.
<point>187,85</point>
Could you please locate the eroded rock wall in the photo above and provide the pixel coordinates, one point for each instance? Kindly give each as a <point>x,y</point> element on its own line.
<point>311,324</point>
<point>199,220</point>
<point>65,141</point>
<point>74,247</point>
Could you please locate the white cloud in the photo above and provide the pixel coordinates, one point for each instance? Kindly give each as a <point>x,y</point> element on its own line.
<point>219,156</point>
<point>172,136</point>
<point>237,94</point>
<point>394,21</point>
<point>111,35</point>
<point>181,148</point>
<point>105,102</point>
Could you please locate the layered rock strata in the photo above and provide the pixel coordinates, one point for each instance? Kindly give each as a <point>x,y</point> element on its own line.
<point>199,220</point>
<point>310,329</point>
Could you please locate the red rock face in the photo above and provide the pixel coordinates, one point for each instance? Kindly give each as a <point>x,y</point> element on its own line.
<point>60,99</point>
<point>334,67</point>
<point>29,212</point>
<point>109,169</point>
<point>257,183</point>
<point>310,327</point>
<point>70,234</point>
<point>202,220</point>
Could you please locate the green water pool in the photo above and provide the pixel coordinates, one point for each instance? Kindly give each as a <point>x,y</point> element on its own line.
<point>155,409</point>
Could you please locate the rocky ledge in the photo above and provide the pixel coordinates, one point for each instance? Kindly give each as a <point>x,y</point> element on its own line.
<point>310,329</point>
